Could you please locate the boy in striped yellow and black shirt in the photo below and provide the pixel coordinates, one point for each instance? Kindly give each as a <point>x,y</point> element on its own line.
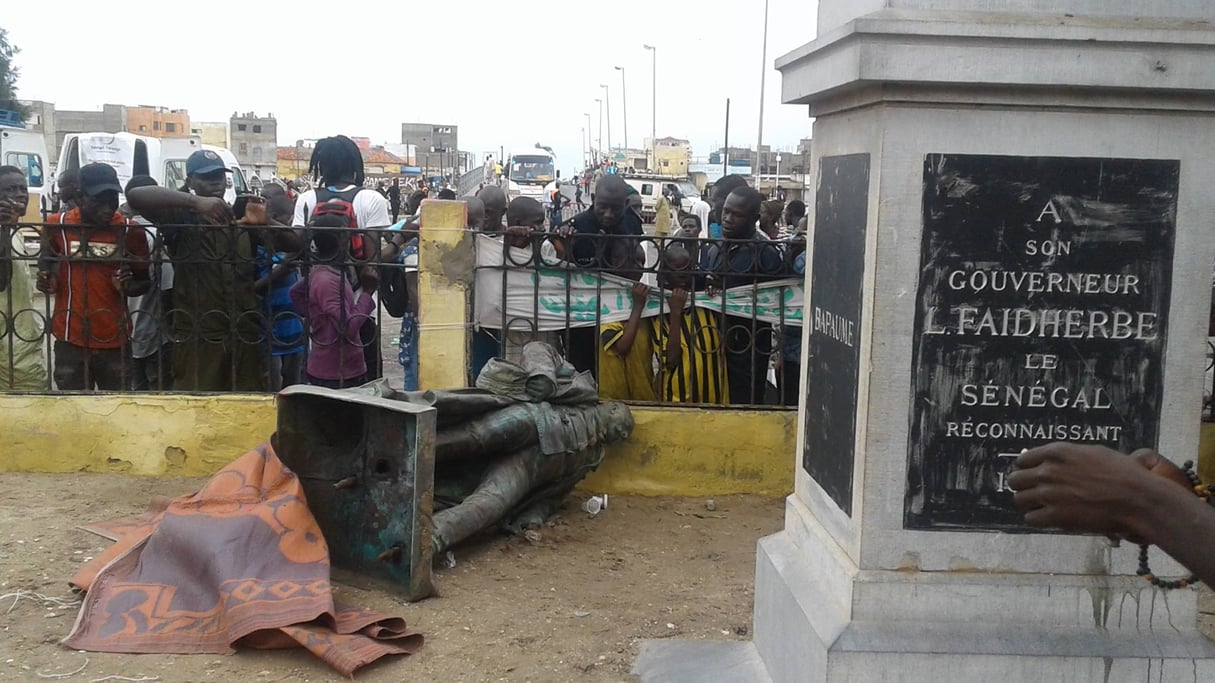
<point>688,343</point>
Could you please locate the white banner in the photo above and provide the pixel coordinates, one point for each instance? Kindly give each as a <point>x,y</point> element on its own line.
<point>554,295</point>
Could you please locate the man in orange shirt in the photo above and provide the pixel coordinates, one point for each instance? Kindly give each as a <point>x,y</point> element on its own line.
<point>98,260</point>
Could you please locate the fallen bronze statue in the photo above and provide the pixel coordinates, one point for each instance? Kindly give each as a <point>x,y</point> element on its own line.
<point>396,478</point>
<point>244,562</point>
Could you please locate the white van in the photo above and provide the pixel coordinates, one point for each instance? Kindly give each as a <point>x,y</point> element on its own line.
<point>237,183</point>
<point>650,188</point>
<point>175,152</point>
<point>26,149</point>
<point>130,155</point>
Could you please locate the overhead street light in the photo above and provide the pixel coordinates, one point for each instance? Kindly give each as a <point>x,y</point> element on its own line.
<point>599,138</point>
<point>624,97</point>
<point>653,103</point>
<point>607,98</point>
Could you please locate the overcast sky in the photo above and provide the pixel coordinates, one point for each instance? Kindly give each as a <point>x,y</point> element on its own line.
<point>507,73</point>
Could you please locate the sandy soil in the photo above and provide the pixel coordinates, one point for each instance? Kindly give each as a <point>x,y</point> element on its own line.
<point>572,606</point>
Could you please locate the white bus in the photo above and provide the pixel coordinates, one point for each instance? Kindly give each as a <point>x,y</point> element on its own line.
<point>532,174</point>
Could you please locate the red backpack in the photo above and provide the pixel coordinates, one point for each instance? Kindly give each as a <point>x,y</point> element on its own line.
<point>341,204</point>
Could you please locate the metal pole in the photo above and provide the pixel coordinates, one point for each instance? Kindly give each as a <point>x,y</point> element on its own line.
<point>725,157</point>
<point>777,185</point>
<point>624,107</point>
<point>759,140</point>
<point>599,138</point>
<point>653,104</point>
<point>607,98</point>
<point>588,137</point>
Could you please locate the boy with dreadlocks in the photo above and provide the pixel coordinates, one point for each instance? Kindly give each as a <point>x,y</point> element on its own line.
<point>337,168</point>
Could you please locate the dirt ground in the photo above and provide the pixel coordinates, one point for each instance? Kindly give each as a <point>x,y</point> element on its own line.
<point>572,607</point>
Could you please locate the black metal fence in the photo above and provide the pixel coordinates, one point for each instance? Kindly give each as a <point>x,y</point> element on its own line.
<point>200,309</point>
<point>194,308</point>
<point>657,319</point>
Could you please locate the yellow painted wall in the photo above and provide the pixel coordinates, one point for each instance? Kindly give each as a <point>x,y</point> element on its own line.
<point>695,452</point>
<point>146,435</point>
<point>673,451</point>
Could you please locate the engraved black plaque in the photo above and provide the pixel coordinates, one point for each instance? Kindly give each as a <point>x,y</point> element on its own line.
<point>834,315</point>
<point>1041,315</point>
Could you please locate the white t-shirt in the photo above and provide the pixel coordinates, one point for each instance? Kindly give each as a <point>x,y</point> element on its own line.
<point>370,208</point>
<point>701,208</point>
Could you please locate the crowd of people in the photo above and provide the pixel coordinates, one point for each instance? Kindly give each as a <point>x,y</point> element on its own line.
<point>689,354</point>
<point>175,289</point>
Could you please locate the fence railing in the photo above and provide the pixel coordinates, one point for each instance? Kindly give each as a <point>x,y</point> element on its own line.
<point>668,320</point>
<point>189,308</point>
<point>193,308</point>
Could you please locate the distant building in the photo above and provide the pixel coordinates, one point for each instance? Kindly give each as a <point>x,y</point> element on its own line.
<point>378,161</point>
<point>437,146</point>
<point>670,155</point>
<point>254,141</point>
<point>56,124</point>
<point>798,163</point>
<point>211,132</point>
<point>408,153</point>
<point>431,137</point>
<point>292,162</point>
<point>631,160</point>
<point>157,122</point>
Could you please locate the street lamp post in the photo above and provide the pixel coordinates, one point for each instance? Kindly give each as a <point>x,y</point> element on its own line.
<point>777,188</point>
<point>762,76</point>
<point>588,138</point>
<point>653,104</point>
<point>607,98</point>
<point>624,107</point>
<point>599,138</point>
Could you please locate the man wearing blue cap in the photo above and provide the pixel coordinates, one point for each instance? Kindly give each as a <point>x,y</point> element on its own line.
<point>217,322</point>
<point>99,260</point>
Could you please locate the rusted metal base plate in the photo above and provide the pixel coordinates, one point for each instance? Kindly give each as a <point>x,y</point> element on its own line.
<point>367,466</point>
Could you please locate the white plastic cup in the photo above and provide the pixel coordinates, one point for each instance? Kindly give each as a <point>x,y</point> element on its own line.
<point>595,504</point>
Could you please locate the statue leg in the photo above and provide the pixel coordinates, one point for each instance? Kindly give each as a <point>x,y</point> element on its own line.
<point>506,483</point>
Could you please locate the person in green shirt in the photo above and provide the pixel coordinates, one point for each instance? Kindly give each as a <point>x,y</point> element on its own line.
<point>217,322</point>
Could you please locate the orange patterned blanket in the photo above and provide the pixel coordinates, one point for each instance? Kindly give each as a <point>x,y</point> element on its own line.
<point>241,562</point>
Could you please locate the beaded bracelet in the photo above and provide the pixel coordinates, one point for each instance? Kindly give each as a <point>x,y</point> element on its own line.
<point>1201,490</point>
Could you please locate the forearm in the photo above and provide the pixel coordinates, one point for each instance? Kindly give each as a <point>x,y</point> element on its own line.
<point>160,199</point>
<point>674,340</point>
<point>625,343</point>
<point>1180,524</point>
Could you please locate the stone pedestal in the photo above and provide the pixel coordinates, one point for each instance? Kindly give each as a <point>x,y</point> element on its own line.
<point>982,167</point>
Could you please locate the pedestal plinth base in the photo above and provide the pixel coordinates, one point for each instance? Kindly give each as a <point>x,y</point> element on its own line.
<point>819,619</point>
<point>798,636</point>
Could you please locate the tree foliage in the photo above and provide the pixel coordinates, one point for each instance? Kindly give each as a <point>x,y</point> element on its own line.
<point>8,74</point>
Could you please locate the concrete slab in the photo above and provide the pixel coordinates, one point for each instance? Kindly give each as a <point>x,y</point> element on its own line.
<point>677,661</point>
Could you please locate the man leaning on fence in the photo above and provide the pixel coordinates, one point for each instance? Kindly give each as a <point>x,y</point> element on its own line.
<point>218,322</point>
<point>598,239</point>
<point>743,259</point>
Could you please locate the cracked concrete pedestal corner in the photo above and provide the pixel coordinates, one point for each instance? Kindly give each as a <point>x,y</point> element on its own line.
<point>855,588</point>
